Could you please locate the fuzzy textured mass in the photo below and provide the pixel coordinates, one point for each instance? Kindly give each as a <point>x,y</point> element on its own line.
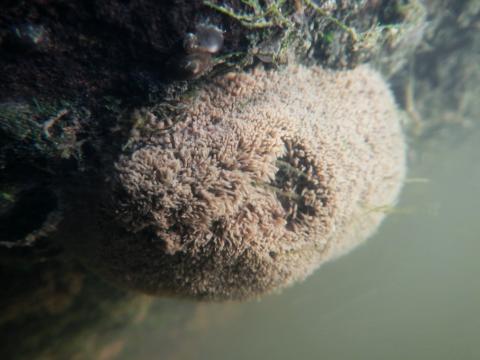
<point>264,177</point>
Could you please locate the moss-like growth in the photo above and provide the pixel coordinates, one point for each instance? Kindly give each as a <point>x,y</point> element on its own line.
<point>335,36</point>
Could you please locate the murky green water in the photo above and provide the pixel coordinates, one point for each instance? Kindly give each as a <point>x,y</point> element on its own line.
<point>412,292</point>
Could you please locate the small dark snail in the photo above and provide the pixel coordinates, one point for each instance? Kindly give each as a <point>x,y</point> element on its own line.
<point>194,65</point>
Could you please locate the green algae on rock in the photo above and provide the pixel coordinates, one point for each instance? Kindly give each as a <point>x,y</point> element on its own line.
<point>264,177</point>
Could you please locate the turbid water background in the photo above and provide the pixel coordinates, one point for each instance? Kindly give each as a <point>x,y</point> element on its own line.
<point>411,292</point>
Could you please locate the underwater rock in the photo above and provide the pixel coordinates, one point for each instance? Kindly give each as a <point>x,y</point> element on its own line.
<point>264,177</point>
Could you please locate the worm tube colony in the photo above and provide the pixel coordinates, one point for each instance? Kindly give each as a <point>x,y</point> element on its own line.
<point>264,177</point>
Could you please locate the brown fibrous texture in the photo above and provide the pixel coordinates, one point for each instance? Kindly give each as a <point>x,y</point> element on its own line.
<point>265,176</point>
